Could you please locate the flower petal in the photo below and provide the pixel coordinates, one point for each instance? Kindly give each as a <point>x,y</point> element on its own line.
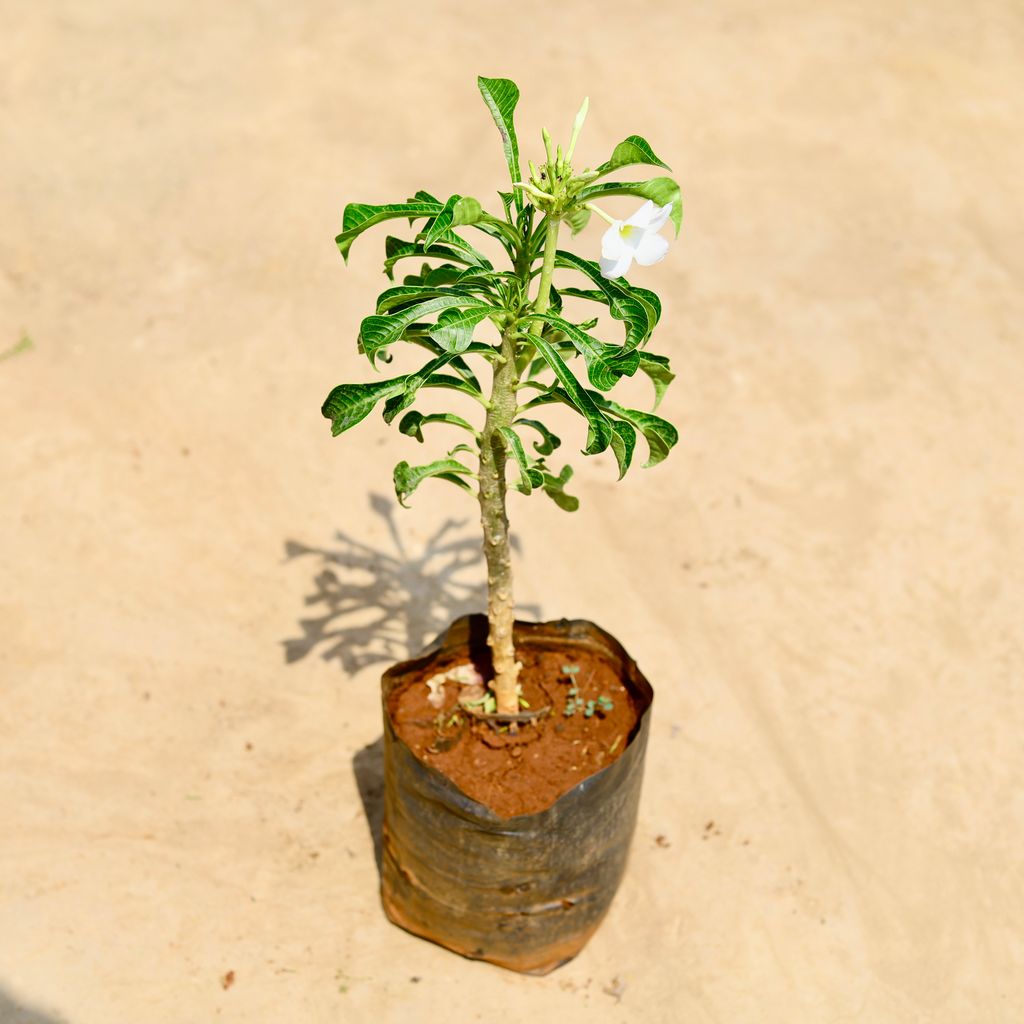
<point>652,249</point>
<point>612,242</point>
<point>642,218</point>
<point>658,221</point>
<point>612,268</point>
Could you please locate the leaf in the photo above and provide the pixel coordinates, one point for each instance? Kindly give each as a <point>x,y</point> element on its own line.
<point>554,488</point>
<point>467,211</point>
<point>600,432</point>
<point>661,436</point>
<point>506,234</point>
<point>396,249</point>
<point>407,478</point>
<point>548,442</point>
<point>659,190</point>
<point>578,219</point>
<point>405,295</point>
<point>441,223</point>
<point>515,446</point>
<point>412,423</point>
<point>375,332</point>
<point>656,367</point>
<point>634,150</point>
<point>605,363</point>
<point>348,404</point>
<point>507,199</point>
<point>443,380</point>
<point>454,328</point>
<point>401,400</point>
<point>623,301</point>
<point>458,364</point>
<point>501,96</point>
<point>623,443</point>
<point>360,216</point>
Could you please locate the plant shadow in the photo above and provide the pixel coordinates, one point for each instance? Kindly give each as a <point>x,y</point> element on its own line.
<point>379,605</point>
<point>382,605</point>
<point>12,1012</point>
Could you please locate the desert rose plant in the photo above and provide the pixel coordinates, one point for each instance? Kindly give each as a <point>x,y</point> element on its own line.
<point>458,290</point>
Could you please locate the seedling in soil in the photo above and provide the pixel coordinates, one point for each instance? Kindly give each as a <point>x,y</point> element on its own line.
<point>468,312</point>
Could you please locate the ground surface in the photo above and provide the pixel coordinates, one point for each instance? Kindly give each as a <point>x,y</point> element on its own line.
<point>825,582</point>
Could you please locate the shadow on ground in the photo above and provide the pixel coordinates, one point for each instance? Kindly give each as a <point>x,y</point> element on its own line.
<point>368,768</point>
<point>13,1012</point>
<point>382,605</point>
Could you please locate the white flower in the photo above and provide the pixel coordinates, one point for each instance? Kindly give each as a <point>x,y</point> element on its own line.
<point>635,239</point>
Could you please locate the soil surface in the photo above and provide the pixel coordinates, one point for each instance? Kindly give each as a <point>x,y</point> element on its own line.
<point>526,771</point>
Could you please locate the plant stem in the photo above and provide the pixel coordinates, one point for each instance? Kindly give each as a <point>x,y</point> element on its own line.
<point>551,226</point>
<point>493,517</point>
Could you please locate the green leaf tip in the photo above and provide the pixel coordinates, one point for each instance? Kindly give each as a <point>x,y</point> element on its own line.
<point>360,216</point>
<point>501,96</point>
<point>632,150</point>
<point>407,478</point>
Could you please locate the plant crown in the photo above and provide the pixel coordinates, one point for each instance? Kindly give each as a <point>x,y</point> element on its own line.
<point>457,288</point>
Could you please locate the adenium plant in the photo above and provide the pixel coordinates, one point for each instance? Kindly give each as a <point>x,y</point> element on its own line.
<point>458,291</point>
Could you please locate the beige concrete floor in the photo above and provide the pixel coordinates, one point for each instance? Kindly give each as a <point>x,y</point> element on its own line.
<point>824,582</point>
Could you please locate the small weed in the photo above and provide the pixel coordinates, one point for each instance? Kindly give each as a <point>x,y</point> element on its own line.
<point>574,702</point>
<point>22,345</point>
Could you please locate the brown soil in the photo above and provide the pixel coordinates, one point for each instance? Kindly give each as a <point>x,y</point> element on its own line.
<point>523,772</point>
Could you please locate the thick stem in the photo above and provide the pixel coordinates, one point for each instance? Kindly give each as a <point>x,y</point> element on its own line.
<point>493,517</point>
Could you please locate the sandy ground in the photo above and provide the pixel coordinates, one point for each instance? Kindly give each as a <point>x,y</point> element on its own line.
<point>200,586</point>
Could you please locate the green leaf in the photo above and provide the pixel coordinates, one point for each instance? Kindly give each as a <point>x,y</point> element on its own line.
<point>507,235</point>
<point>401,400</point>
<point>624,302</point>
<point>661,436</point>
<point>441,223</point>
<point>578,219</point>
<point>348,404</point>
<point>405,295</point>
<point>412,423</point>
<point>634,150</point>
<point>515,446</point>
<point>443,380</point>
<point>656,367</point>
<point>660,191</point>
<point>605,363</point>
<point>501,96</point>
<point>507,199</point>
<point>467,211</point>
<point>600,432</point>
<point>360,216</point>
<point>554,488</point>
<point>454,328</point>
<point>623,443</point>
<point>376,332</point>
<point>396,249</point>
<point>548,442</point>
<point>407,478</point>
<point>477,348</point>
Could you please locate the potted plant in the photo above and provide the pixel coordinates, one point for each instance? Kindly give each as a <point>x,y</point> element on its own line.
<point>513,751</point>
